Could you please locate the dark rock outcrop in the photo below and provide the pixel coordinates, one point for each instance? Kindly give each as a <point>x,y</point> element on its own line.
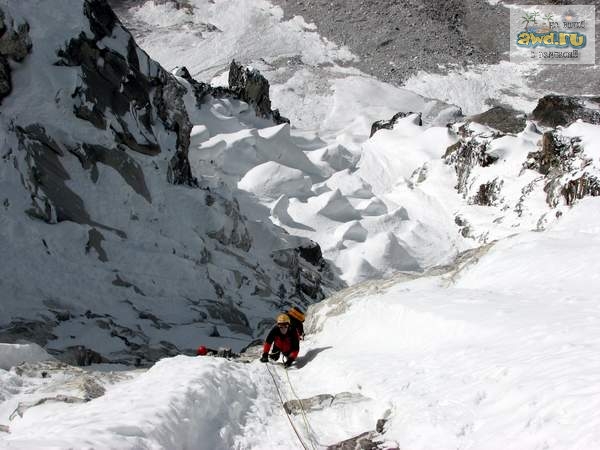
<point>321,401</point>
<point>114,133</point>
<point>501,118</point>
<point>15,44</point>
<point>468,152</point>
<point>37,331</point>
<point>369,440</point>
<point>389,124</point>
<point>124,89</point>
<point>553,154</point>
<point>555,110</point>
<point>251,87</point>
<point>244,84</point>
<point>79,355</point>
<point>560,156</point>
<point>311,252</point>
<point>488,193</point>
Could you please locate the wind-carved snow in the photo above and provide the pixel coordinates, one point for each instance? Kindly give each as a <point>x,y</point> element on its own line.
<point>332,109</point>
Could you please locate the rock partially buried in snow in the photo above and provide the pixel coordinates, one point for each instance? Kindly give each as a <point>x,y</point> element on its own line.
<point>270,180</point>
<point>555,110</point>
<point>501,118</point>
<point>253,88</point>
<point>389,124</point>
<point>322,401</point>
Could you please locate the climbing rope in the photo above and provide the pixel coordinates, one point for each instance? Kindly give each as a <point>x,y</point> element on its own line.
<point>304,446</point>
<point>309,429</point>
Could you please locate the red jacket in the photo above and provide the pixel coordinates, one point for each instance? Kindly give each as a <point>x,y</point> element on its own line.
<point>288,343</point>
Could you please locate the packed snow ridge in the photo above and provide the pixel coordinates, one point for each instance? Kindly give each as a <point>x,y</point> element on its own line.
<point>147,211</point>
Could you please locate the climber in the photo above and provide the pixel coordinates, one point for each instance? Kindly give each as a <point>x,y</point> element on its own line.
<point>283,340</point>
<point>296,319</point>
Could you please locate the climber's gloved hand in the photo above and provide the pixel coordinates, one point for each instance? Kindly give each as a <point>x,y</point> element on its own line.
<point>288,363</point>
<point>264,357</point>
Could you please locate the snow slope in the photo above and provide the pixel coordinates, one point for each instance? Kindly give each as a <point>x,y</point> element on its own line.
<point>498,352</point>
<point>496,349</point>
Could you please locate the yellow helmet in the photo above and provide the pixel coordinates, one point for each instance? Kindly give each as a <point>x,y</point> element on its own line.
<point>283,318</point>
<point>296,314</point>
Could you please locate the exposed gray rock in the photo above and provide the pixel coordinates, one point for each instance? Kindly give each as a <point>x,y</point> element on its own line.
<point>244,84</point>
<point>558,156</point>
<point>228,313</point>
<point>488,193</point>
<point>501,118</point>
<point>79,355</point>
<point>322,401</point>
<point>468,152</point>
<point>111,87</point>
<point>554,154</point>
<point>122,90</point>
<point>311,252</point>
<point>364,441</point>
<point>139,128</point>
<point>389,124</point>
<point>584,186</point>
<point>555,110</point>
<point>382,32</point>
<point>251,87</point>
<point>369,440</point>
<point>24,406</point>
<point>178,4</point>
<point>37,331</point>
<point>15,45</point>
<point>5,80</point>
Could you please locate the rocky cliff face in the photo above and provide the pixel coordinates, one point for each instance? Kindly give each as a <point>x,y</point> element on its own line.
<point>550,161</point>
<point>114,248</point>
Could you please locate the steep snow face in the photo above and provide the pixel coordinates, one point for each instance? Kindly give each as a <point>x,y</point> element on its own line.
<point>495,352</point>
<point>114,249</point>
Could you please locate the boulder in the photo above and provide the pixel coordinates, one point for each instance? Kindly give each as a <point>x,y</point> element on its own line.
<point>15,45</point>
<point>501,118</point>
<point>389,124</point>
<point>555,110</point>
<point>250,86</point>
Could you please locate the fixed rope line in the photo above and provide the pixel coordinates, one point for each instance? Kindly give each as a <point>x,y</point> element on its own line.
<point>309,428</point>
<point>304,446</point>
